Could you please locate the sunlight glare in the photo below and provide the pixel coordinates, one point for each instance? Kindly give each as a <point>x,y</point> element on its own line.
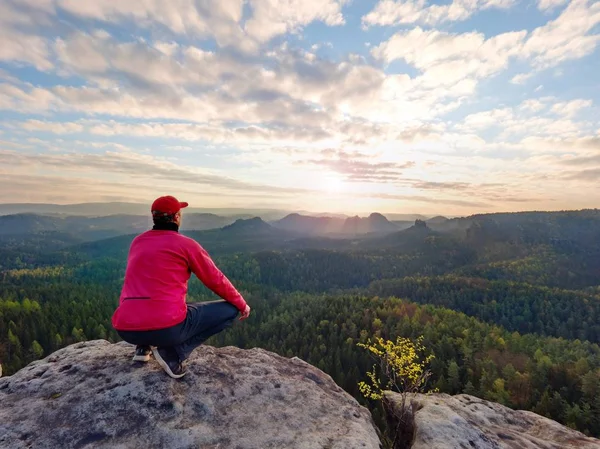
<point>333,184</point>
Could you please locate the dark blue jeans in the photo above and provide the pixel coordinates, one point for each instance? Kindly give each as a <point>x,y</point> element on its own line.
<point>203,320</point>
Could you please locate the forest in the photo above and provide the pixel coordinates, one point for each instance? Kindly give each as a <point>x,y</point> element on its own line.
<point>510,315</point>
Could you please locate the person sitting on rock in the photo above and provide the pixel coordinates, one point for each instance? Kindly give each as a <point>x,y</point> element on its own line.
<point>152,312</point>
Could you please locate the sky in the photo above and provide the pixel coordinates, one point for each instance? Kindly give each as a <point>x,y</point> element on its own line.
<point>355,106</point>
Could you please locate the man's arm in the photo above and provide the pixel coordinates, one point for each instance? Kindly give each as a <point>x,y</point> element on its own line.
<point>206,270</point>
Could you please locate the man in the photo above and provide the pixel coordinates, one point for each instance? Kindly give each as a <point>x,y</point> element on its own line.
<point>152,312</point>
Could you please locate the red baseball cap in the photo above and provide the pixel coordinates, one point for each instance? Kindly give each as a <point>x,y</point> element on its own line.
<point>167,205</point>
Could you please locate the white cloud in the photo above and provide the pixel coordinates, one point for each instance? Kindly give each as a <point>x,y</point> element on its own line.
<point>393,12</point>
<point>533,119</point>
<point>208,18</point>
<point>486,119</point>
<point>128,164</point>
<point>567,37</point>
<point>138,64</point>
<point>521,78</point>
<point>545,5</point>
<point>220,19</point>
<point>570,108</point>
<point>22,47</point>
<point>273,17</point>
<point>53,127</point>
<point>26,99</point>
<point>445,59</point>
<point>532,105</point>
<point>26,13</point>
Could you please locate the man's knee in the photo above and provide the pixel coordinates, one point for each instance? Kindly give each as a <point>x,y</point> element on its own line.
<point>233,312</point>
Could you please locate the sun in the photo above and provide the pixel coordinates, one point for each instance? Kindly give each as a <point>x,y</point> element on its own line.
<point>333,184</point>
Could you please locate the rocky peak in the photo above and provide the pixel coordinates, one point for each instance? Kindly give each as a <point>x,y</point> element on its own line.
<point>442,421</point>
<point>255,224</point>
<point>90,395</point>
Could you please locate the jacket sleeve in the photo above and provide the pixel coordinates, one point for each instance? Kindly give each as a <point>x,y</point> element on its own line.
<point>203,266</point>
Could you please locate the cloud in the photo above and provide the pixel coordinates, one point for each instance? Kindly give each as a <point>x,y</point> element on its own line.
<point>585,148</point>
<point>218,19</point>
<point>519,120</point>
<point>273,17</point>
<point>53,127</point>
<point>26,13</point>
<point>208,18</point>
<point>521,78</point>
<point>132,165</point>
<point>584,160</point>
<point>144,66</point>
<point>434,185</point>
<point>394,12</point>
<point>25,48</point>
<point>76,189</point>
<point>590,175</point>
<point>570,108</point>
<point>358,168</point>
<point>532,105</point>
<point>545,5</point>
<point>434,200</point>
<point>26,98</point>
<point>284,91</point>
<point>486,119</point>
<point>570,36</point>
<point>446,59</point>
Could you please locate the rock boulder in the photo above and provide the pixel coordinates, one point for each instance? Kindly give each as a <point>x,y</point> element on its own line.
<point>90,395</point>
<point>463,421</point>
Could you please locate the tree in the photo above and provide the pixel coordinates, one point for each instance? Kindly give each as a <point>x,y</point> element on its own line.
<point>14,345</point>
<point>453,377</point>
<point>403,368</point>
<point>498,393</point>
<point>36,352</point>
<point>543,405</point>
<point>470,389</point>
<point>590,386</point>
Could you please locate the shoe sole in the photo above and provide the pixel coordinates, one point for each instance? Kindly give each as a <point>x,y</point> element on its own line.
<point>141,358</point>
<point>165,365</point>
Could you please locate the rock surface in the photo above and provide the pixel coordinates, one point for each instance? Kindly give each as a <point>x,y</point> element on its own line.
<point>90,395</point>
<point>463,421</point>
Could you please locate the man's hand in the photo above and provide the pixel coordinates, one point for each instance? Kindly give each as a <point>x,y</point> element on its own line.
<point>245,313</point>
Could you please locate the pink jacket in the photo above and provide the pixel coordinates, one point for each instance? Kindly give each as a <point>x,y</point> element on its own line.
<point>158,269</point>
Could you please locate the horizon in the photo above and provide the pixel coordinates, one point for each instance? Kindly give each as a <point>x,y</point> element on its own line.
<point>232,211</point>
<point>436,107</point>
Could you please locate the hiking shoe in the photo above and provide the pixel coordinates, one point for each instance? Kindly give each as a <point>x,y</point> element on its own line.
<point>170,363</point>
<point>142,354</point>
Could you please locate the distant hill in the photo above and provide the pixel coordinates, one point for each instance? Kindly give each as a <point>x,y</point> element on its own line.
<point>201,222</point>
<point>123,208</point>
<point>310,225</point>
<point>250,226</point>
<point>373,224</point>
<point>86,228</point>
<point>95,228</point>
<point>28,223</point>
<point>85,209</point>
<point>405,217</point>
<point>437,220</point>
<point>405,240</point>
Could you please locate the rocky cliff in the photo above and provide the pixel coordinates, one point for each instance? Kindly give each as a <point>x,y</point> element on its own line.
<point>452,422</point>
<point>90,395</point>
